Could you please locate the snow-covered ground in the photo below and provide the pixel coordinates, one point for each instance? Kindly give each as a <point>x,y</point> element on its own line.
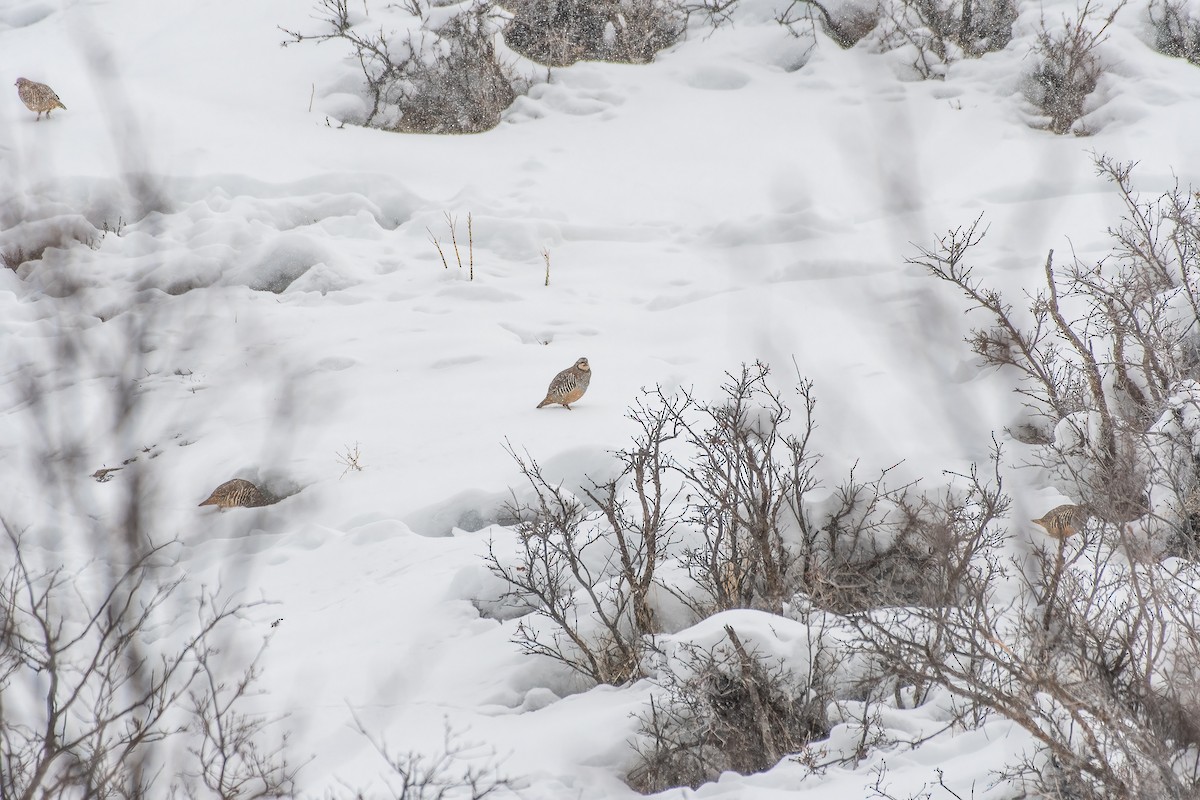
<point>270,288</point>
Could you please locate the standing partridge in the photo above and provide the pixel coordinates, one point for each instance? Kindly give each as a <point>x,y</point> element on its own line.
<point>569,385</point>
<point>237,492</point>
<point>1063,521</point>
<point>38,97</point>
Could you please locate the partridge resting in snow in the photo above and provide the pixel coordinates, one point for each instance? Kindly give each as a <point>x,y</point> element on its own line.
<point>38,97</point>
<point>569,385</point>
<point>236,492</point>
<point>1063,521</point>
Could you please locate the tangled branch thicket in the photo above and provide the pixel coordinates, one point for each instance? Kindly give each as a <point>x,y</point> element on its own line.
<point>727,707</point>
<point>940,32</point>
<point>1107,354</point>
<point>1176,29</point>
<point>89,705</point>
<point>845,25</point>
<point>711,512</point>
<point>908,594</point>
<point>558,33</point>
<point>441,75</point>
<point>1069,65</point>
<point>1101,665</point>
<point>730,517</point>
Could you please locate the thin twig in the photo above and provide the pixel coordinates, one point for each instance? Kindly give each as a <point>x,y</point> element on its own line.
<point>453,223</point>
<point>438,245</point>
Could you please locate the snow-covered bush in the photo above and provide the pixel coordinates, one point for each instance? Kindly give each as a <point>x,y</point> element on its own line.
<point>17,255</point>
<point>1176,29</point>
<point>725,702</point>
<point>1096,656</point>
<point>437,71</point>
<point>846,23</point>
<point>1069,65</point>
<point>560,32</point>
<point>587,576</point>
<point>25,239</point>
<point>761,530</point>
<point>742,689</point>
<point>1105,357</point>
<point>940,32</point>
<point>715,508</point>
<point>457,84</point>
<point>1096,659</point>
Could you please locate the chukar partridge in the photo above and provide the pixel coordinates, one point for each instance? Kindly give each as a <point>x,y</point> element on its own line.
<point>569,385</point>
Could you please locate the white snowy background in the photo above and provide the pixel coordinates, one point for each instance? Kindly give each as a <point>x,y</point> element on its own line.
<point>741,198</point>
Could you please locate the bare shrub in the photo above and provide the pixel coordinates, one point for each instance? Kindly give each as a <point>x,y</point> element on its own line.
<point>880,789</point>
<point>1096,658</point>
<point>33,239</point>
<point>459,769</point>
<point>588,581</point>
<point>457,85</point>
<point>639,509</point>
<point>351,459</point>
<point>727,708</point>
<point>748,469</point>
<point>1052,389</point>
<point>1176,31</point>
<point>941,32</point>
<point>88,704</point>
<point>724,709</point>
<point>713,13</point>
<point>869,547</point>
<point>1108,381</point>
<point>558,33</point>
<point>720,490</point>
<point>229,757</point>
<point>446,79</point>
<point>962,528</point>
<point>590,573</point>
<point>1069,65</point>
<point>846,27</point>
<point>746,476</point>
<point>16,256</point>
<point>1096,662</point>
